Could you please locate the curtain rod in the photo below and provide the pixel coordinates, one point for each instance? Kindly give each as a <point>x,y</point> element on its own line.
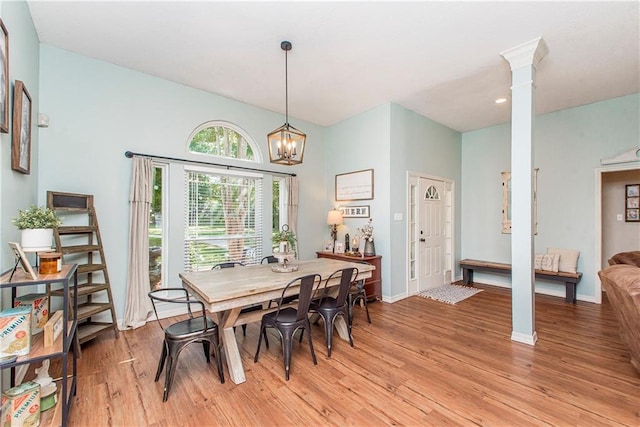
<point>130,154</point>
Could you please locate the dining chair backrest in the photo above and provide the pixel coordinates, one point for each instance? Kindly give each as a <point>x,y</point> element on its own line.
<point>230,264</point>
<point>347,276</point>
<point>269,260</point>
<point>308,286</point>
<point>177,296</point>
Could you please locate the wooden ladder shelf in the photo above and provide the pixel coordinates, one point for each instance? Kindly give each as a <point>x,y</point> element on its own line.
<point>81,244</point>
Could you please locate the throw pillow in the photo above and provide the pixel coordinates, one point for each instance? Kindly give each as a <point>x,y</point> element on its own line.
<point>568,259</point>
<point>547,262</point>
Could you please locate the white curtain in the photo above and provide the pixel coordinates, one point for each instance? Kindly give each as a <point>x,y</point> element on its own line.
<point>291,183</point>
<point>138,307</point>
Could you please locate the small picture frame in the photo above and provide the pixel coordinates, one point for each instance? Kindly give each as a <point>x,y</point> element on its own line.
<point>21,142</point>
<point>339,248</point>
<point>4,78</point>
<point>632,203</point>
<point>355,211</point>
<point>328,246</point>
<point>21,259</point>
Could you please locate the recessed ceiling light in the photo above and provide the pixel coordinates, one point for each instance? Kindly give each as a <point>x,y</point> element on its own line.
<point>501,100</point>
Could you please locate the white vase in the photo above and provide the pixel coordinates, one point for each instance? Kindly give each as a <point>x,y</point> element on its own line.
<point>37,239</point>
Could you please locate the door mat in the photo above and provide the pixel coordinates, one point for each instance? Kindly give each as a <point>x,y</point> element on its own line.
<point>451,294</point>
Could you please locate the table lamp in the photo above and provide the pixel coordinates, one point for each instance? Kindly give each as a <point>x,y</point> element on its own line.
<point>334,218</point>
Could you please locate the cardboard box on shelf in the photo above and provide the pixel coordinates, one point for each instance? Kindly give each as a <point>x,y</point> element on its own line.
<point>39,304</point>
<point>15,331</point>
<point>21,405</point>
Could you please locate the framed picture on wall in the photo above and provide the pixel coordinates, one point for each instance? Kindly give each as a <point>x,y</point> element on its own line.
<point>21,141</point>
<point>355,185</point>
<point>632,203</point>
<point>354,211</point>
<point>4,78</point>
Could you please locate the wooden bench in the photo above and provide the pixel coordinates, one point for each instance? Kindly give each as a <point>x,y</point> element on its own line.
<point>570,280</point>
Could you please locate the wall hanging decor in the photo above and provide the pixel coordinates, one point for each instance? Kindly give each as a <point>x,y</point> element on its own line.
<point>632,203</point>
<point>4,78</point>
<point>355,185</point>
<point>354,211</point>
<point>21,141</point>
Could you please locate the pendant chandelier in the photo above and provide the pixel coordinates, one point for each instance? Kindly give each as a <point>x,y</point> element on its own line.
<point>286,144</point>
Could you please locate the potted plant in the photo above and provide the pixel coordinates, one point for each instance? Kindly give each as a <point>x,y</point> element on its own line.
<point>367,235</point>
<point>285,239</point>
<point>36,224</point>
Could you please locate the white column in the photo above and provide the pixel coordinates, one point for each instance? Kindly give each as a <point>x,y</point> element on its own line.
<point>523,60</point>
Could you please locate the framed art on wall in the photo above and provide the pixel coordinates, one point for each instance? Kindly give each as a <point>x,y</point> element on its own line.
<point>21,140</point>
<point>354,211</point>
<point>4,78</point>
<point>355,185</point>
<point>632,203</point>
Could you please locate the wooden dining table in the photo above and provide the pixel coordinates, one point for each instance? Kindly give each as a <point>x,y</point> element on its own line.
<point>226,291</point>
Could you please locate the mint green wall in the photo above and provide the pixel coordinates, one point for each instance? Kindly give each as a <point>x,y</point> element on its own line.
<point>419,145</point>
<point>18,190</point>
<point>392,140</point>
<point>99,110</point>
<point>362,142</point>
<point>567,149</point>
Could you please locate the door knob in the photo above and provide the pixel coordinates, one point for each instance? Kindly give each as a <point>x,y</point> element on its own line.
<point>422,240</point>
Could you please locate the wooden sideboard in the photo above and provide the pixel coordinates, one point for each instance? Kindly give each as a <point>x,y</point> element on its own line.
<point>373,285</point>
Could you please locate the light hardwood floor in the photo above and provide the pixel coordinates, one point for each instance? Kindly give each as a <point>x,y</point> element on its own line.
<point>421,363</point>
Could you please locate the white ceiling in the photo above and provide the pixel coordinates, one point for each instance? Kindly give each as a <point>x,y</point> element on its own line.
<point>439,59</point>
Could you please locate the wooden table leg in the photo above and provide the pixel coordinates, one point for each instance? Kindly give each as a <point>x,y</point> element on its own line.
<point>341,327</point>
<point>234,361</point>
<point>339,324</point>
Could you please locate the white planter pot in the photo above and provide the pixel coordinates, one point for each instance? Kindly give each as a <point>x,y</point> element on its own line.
<point>37,239</point>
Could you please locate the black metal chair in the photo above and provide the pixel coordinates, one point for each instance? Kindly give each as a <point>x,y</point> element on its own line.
<point>232,264</point>
<point>229,264</point>
<point>329,307</point>
<point>357,292</point>
<point>196,329</point>
<point>287,320</point>
<point>269,260</point>
<point>273,260</point>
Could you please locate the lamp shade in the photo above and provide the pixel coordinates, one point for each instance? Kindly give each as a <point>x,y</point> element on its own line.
<point>334,217</point>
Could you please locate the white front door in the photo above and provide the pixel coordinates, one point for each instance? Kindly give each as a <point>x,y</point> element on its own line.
<point>431,236</point>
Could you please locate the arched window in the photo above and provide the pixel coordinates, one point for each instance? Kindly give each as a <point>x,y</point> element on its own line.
<point>223,139</point>
<point>223,209</point>
<point>432,193</point>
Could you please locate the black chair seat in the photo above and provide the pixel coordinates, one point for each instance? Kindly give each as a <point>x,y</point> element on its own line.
<point>287,320</point>
<point>357,292</point>
<point>233,264</point>
<point>329,307</point>
<point>196,329</point>
<point>189,327</point>
<point>285,316</point>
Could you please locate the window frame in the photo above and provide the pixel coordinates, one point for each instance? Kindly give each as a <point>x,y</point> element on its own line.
<point>257,153</point>
<point>259,231</point>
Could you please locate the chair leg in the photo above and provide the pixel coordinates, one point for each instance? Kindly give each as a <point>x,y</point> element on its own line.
<point>218,355</point>
<point>206,345</point>
<point>328,331</point>
<point>163,357</point>
<point>313,353</point>
<point>287,344</point>
<point>346,315</point>
<point>366,307</point>
<point>244,330</point>
<point>262,332</point>
<point>168,377</point>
